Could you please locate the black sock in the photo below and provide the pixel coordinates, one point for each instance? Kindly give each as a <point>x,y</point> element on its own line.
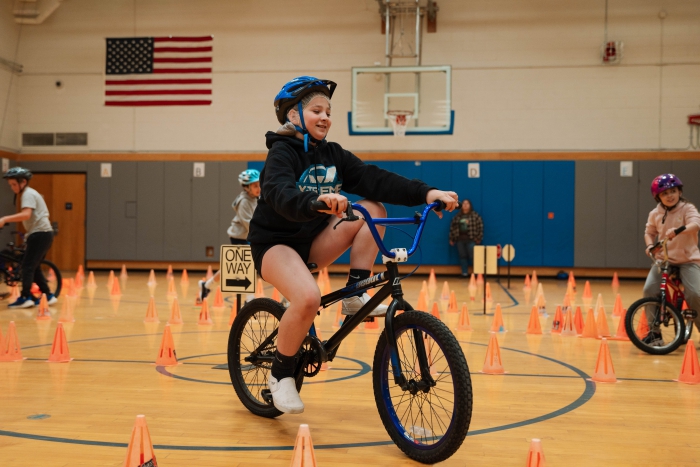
<point>357,275</point>
<point>283,366</point>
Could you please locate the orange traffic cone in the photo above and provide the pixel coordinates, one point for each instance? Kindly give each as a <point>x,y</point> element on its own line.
<point>210,272</point>
<point>424,288</point>
<point>643,326</point>
<point>78,281</point>
<point>151,278</point>
<point>526,285</point>
<point>151,314</point>
<point>479,279</point>
<point>422,300</point>
<point>604,370</point>
<point>140,451</point>
<point>533,280</point>
<point>558,321</point>
<point>169,272</point>
<point>11,351</point>
<point>259,290</point>
<point>621,334</point>
<point>435,311</point>
<point>172,293</point>
<point>116,289</point>
<point>599,303</point>
<point>303,455</point>
<point>492,363</point>
<point>472,288</point>
<point>464,324</point>
<point>185,279</point>
<point>569,329</point>
<point>218,298</point>
<point>615,283</point>
<point>372,323</point>
<point>66,315</point>
<point>535,457</point>
<point>43,313</point>
<point>452,307</point>
<point>70,288</point>
<point>432,284</point>
<point>175,316</point>
<point>123,275</point>
<point>166,354</point>
<point>587,291</point>
<point>617,309</point>
<point>91,280</point>
<point>602,323</point>
<point>232,316</point>
<point>110,280</point>
<point>566,304</point>
<point>590,329</point>
<point>497,324</point>
<point>578,321</point>
<point>690,371</point>
<point>533,326</point>
<point>489,298</point>
<point>445,295</point>
<point>572,280</point>
<point>204,317</point>
<point>276,294</point>
<point>59,349</point>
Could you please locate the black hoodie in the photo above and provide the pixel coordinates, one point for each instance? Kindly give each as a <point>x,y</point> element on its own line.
<point>291,179</point>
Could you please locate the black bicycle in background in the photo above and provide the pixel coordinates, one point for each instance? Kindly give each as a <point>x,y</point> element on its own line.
<point>11,269</point>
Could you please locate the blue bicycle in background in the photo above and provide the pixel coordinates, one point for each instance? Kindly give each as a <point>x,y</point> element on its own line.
<point>422,385</point>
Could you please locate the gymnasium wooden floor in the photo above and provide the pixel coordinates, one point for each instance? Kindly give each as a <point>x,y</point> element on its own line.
<point>82,412</point>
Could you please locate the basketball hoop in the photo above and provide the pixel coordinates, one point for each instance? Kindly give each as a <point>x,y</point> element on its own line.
<point>399,120</point>
<point>694,124</point>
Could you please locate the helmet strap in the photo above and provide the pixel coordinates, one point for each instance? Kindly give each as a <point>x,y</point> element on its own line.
<point>302,129</point>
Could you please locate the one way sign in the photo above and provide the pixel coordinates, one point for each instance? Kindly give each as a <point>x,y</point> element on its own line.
<point>237,270</point>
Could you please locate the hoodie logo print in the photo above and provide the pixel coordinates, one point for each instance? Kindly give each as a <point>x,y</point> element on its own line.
<point>320,179</point>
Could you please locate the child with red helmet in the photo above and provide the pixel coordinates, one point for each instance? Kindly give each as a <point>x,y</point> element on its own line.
<point>677,220</point>
<point>286,233</point>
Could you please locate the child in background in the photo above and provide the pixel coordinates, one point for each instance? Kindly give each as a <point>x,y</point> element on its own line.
<point>677,220</point>
<point>244,205</point>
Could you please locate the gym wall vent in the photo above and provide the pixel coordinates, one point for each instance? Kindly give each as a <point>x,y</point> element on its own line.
<point>54,139</point>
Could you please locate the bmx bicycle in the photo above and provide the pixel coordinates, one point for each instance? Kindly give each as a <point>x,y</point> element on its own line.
<point>659,325</point>
<point>11,259</point>
<point>422,385</point>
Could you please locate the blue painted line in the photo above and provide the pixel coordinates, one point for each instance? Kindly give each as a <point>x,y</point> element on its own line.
<point>515,302</point>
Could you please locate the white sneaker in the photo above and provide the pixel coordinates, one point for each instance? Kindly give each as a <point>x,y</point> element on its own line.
<point>352,305</point>
<point>285,395</point>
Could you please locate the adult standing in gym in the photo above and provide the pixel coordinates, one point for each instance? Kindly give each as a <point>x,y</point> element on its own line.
<point>466,231</point>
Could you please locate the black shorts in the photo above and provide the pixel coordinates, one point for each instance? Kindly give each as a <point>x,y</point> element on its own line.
<point>259,249</point>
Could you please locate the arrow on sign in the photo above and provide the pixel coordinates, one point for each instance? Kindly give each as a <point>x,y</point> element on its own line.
<point>245,283</point>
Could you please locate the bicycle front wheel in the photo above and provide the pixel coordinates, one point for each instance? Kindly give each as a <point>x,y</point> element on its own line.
<point>427,422</point>
<point>55,285</point>
<point>654,329</point>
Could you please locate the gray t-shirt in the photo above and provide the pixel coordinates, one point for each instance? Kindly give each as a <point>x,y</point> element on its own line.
<point>39,220</point>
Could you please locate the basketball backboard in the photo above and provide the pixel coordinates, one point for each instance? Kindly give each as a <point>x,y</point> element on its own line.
<point>424,90</point>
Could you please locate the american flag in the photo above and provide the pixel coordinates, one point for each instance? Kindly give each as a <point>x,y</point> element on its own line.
<point>151,71</point>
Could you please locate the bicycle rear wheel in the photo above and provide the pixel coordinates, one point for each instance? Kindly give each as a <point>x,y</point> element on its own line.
<point>652,329</point>
<point>54,285</point>
<point>250,371</point>
<point>427,423</point>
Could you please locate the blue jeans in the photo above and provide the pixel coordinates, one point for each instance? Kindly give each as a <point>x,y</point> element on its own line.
<point>466,254</point>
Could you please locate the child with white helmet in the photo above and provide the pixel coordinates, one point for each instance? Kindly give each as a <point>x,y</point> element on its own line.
<point>286,234</point>
<point>243,206</point>
<point>677,220</point>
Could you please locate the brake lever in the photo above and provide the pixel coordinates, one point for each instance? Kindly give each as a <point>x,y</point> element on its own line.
<point>349,216</point>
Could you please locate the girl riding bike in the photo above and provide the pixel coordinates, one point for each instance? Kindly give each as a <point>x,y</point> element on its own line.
<point>34,215</point>
<point>677,220</point>
<point>286,233</point>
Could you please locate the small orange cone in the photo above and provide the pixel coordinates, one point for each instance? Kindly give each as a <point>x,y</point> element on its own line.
<point>123,275</point>
<point>167,355</point>
<point>493,364</point>
<point>590,330</point>
<point>169,272</point>
<point>642,327</point>
<point>569,296</point>
<point>497,324</point>
<point>116,289</point>
<point>617,309</point>
<point>66,315</point>
<point>175,317</point>
<point>566,304</point>
<point>599,303</point>
<point>472,288</point>
<point>535,457</point>
<point>185,279</point>
<point>533,279</point>
<point>172,293</point>
<point>43,313</point>
<point>303,455</point>
<point>338,314</point>
<point>11,351</point>
<point>70,288</point>
<point>479,279</point>
<point>452,307</point>
<point>621,334</point>
<point>587,291</point>
<point>91,280</point>
<point>151,314</point>
<point>110,280</point>
<point>59,349</point>
<point>259,290</point>
<point>151,278</point>
<point>690,371</point>
<point>615,283</point>
<point>604,370</point>
<point>422,300</point>
<point>445,295</point>
<point>489,298</point>
<point>276,295</point>
<point>578,321</point>
<point>526,285</point>
<point>558,321</point>
<point>140,451</point>
<point>569,329</point>
<point>602,323</point>
<point>204,317</point>
<point>435,311</point>
<point>533,326</point>
<point>432,281</point>
<point>218,298</point>
<point>232,317</point>
<point>78,281</point>
<point>572,280</point>
<point>685,306</point>
<point>464,324</point>
<point>373,323</point>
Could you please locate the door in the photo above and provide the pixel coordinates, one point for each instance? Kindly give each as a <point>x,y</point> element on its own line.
<point>65,197</point>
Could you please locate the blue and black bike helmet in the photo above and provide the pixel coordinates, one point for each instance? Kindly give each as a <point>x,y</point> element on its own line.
<point>18,173</point>
<point>293,92</point>
<point>249,176</point>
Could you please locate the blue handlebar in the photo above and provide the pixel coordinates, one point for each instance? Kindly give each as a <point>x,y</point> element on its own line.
<point>371,223</point>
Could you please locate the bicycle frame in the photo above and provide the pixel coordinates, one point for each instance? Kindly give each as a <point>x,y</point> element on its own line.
<point>392,287</point>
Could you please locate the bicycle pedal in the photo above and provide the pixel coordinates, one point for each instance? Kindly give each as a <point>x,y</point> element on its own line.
<point>368,319</point>
<point>266,395</point>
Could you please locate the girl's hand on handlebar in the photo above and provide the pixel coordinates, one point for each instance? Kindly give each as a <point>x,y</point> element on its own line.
<point>450,199</point>
<point>337,204</point>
